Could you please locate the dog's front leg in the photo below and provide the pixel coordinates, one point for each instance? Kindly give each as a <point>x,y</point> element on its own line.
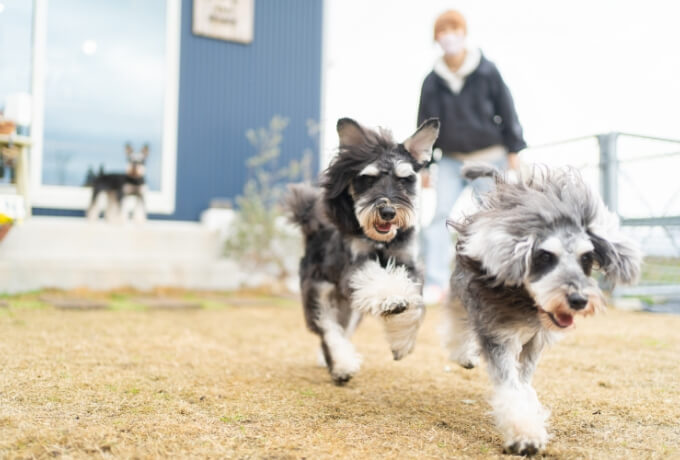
<point>323,311</point>
<point>139,211</point>
<point>519,415</point>
<point>391,294</point>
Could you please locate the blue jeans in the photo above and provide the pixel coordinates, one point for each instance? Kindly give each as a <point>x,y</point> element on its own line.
<point>437,247</point>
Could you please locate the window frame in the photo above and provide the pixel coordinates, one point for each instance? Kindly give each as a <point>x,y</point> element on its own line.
<point>72,197</point>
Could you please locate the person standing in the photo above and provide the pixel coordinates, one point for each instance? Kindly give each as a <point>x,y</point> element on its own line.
<point>478,123</point>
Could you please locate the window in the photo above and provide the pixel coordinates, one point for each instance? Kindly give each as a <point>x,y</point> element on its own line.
<point>103,74</point>
<point>15,56</point>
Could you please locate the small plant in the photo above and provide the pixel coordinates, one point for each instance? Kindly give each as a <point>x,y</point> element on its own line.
<point>259,237</point>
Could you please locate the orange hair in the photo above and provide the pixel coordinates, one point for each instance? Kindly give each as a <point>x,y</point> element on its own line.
<point>449,18</point>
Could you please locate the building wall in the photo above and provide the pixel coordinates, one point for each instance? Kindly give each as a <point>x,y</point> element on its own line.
<point>227,88</point>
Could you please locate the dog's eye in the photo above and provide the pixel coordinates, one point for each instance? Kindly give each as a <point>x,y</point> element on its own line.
<point>407,179</point>
<point>587,260</point>
<point>542,262</point>
<point>364,182</point>
<point>544,258</point>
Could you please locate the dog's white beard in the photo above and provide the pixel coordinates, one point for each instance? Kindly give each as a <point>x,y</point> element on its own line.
<point>369,216</point>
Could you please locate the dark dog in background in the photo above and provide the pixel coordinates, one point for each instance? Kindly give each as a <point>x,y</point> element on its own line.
<point>523,271</point>
<point>360,242</point>
<point>110,190</point>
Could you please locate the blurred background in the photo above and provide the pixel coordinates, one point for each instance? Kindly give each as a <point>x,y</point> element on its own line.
<point>235,98</point>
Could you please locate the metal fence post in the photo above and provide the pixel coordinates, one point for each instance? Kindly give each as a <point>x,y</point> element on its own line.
<point>609,170</point>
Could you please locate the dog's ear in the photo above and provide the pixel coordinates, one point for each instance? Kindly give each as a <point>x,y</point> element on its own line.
<point>505,257</point>
<point>145,150</point>
<point>419,145</point>
<point>128,149</point>
<point>340,210</point>
<point>350,132</point>
<point>619,257</point>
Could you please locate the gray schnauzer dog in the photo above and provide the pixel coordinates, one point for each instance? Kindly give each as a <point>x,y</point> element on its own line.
<point>360,248</point>
<point>523,271</point>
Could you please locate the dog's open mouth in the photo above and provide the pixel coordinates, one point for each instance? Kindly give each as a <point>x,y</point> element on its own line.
<point>383,227</point>
<point>561,320</point>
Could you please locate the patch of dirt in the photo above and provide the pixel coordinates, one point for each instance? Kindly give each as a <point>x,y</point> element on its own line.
<point>241,382</point>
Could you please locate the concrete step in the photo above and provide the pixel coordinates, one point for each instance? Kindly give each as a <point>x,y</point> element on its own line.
<point>68,253</point>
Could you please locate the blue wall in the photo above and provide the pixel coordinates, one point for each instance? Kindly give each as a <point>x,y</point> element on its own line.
<point>228,88</point>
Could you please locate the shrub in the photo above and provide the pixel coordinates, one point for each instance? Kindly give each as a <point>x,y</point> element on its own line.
<point>259,237</point>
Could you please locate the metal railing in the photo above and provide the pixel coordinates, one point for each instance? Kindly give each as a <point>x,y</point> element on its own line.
<point>610,170</point>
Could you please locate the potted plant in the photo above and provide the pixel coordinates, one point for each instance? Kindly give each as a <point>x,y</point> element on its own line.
<point>5,224</point>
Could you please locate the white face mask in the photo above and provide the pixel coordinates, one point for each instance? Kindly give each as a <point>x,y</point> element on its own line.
<point>452,43</point>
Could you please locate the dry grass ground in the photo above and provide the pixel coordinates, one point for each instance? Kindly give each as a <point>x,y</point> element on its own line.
<point>233,381</point>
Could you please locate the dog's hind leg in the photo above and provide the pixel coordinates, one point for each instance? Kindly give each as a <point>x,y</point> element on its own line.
<point>349,320</point>
<point>323,313</point>
<point>458,336</point>
<point>96,206</point>
<point>139,211</point>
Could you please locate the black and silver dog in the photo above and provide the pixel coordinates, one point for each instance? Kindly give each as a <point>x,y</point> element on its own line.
<point>359,230</point>
<point>523,271</point>
<point>109,190</point>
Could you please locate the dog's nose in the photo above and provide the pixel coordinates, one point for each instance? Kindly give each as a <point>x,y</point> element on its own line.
<point>577,301</point>
<point>387,213</point>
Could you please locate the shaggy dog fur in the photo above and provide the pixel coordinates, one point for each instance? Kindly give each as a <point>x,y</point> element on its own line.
<point>360,252</point>
<point>522,273</point>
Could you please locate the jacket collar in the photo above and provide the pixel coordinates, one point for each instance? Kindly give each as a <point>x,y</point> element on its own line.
<point>474,62</point>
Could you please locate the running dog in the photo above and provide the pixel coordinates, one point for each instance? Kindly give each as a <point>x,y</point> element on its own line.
<point>360,242</point>
<point>523,272</point>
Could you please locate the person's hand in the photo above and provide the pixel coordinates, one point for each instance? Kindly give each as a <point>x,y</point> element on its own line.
<point>425,178</point>
<point>512,175</point>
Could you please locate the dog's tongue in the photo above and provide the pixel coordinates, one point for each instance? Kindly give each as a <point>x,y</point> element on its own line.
<point>564,319</point>
<point>384,227</point>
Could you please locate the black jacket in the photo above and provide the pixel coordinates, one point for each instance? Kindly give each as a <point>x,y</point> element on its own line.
<point>481,115</point>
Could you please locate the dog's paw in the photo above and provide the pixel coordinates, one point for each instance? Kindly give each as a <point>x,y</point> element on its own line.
<point>345,366</point>
<point>525,448</point>
<point>394,306</point>
<point>465,358</point>
<point>341,379</point>
<point>470,364</point>
<point>526,441</point>
<point>403,351</point>
<point>520,418</point>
